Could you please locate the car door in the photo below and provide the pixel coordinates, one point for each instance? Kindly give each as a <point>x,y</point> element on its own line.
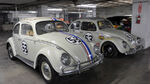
<point>17,38</point>
<point>27,41</point>
<point>89,30</point>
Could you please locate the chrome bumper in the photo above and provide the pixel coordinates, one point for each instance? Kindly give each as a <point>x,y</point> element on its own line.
<point>79,68</point>
<point>134,50</point>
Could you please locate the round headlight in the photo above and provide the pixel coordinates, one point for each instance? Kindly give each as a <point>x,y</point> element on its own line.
<point>124,44</point>
<point>96,49</point>
<point>65,59</point>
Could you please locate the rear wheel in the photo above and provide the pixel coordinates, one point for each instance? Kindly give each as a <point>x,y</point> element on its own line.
<point>10,53</point>
<point>46,70</point>
<point>109,50</point>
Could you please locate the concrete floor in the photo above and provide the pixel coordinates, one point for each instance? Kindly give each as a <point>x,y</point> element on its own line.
<point>133,69</point>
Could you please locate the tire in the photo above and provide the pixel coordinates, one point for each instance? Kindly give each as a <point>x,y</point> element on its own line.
<point>109,50</point>
<point>46,70</point>
<point>10,53</point>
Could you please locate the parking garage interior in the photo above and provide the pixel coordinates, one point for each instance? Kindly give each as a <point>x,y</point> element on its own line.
<point>130,69</point>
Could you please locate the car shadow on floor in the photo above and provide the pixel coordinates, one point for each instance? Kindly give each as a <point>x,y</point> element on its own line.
<point>104,73</point>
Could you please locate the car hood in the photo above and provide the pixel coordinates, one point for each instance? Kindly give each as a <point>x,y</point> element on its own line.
<point>116,33</point>
<point>80,51</point>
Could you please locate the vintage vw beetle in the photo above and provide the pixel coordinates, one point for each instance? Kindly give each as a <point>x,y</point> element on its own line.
<point>46,44</point>
<point>112,41</point>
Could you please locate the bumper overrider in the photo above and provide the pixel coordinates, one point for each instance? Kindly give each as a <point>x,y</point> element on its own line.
<point>80,67</point>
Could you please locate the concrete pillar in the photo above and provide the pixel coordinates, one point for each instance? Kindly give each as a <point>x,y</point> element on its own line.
<point>42,11</point>
<point>143,29</point>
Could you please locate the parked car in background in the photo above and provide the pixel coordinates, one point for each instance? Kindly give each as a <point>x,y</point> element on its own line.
<point>112,41</point>
<point>47,44</point>
<point>121,22</point>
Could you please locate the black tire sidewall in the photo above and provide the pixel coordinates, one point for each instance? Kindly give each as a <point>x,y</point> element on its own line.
<point>115,50</point>
<point>12,58</point>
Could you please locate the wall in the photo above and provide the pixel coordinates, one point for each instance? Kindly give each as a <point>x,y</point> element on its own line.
<point>114,11</point>
<point>143,29</point>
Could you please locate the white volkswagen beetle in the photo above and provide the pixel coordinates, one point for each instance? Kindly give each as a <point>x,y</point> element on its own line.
<point>46,44</point>
<point>112,41</point>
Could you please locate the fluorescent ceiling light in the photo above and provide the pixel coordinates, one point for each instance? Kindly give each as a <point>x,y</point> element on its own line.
<point>90,11</point>
<point>87,5</point>
<point>128,15</point>
<point>32,11</point>
<point>75,12</point>
<point>55,9</point>
<point>126,1</point>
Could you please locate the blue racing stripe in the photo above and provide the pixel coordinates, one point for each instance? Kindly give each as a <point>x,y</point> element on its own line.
<point>91,56</point>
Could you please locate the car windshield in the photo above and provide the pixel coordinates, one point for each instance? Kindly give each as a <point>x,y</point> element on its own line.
<point>103,24</point>
<point>50,26</point>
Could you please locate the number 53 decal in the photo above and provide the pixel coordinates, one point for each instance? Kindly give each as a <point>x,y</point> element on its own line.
<point>88,37</point>
<point>24,47</point>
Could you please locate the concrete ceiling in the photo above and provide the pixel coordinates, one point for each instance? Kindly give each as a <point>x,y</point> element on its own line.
<point>21,4</point>
<point>16,1</point>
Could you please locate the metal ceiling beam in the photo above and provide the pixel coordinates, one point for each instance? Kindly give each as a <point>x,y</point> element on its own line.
<point>36,3</point>
<point>7,4</point>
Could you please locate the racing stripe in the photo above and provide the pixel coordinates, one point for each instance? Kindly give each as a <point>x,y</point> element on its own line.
<point>88,51</point>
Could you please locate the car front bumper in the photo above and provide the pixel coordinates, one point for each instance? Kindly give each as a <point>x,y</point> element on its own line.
<point>134,50</point>
<point>80,67</point>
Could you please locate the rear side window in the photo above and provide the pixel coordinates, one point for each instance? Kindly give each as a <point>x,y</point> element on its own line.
<point>88,26</point>
<point>26,29</point>
<point>16,29</point>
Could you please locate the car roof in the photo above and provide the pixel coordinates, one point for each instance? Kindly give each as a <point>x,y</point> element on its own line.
<point>93,18</point>
<point>38,19</point>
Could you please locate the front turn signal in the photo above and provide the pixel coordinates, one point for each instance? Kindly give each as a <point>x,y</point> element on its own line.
<point>101,37</point>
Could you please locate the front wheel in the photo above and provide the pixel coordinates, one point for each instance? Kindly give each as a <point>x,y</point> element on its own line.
<point>46,70</point>
<point>109,50</point>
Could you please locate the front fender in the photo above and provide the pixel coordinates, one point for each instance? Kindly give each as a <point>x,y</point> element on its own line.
<point>53,55</point>
<point>117,42</point>
<point>11,42</point>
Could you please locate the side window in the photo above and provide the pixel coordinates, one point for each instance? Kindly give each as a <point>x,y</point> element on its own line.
<point>16,29</point>
<point>88,26</point>
<point>75,25</point>
<point>26,29</point>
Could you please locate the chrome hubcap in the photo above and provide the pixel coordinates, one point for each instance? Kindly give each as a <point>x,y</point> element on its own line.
<point>109,49</point>
<point>46,71</point>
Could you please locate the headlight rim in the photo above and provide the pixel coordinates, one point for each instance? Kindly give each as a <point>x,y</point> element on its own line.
<point>96,49</point>
<point>69,60</point>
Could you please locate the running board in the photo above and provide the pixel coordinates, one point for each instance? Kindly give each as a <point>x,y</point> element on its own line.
<point>26,61</point>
